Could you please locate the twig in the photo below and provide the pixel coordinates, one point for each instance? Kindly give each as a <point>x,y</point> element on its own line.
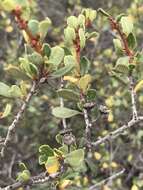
<point>15,122</point>
<point>11,165</point>
<point>129,53</point>
<point>32,181</point>
<point>88,124</point>
<point>133,95</point>
<point>116,133</point>
<point>62,105</point>
<point>106,180</point>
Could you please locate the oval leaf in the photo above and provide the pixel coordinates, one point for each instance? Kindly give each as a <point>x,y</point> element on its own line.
<point>68,94</point>
<point>63,112</point>
<point>62,71</point>
<point>57,55</point>
<point>75,158</point>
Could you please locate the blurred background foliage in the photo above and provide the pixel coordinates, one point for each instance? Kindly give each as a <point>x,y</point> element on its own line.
<point>40,127</point>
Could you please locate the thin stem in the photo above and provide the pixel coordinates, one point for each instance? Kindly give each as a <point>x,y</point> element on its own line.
<point>32,181</point>
<point>133,95</point>
<point>13,126</point>
<point>116,133</point>
<point>114,176</point>
<point>116,26</point>
<point>88,124</point>
<point>129,53</point>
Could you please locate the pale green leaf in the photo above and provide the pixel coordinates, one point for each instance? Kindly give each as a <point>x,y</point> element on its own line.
<point>7,111</point>
<point>75,158</point>
<point>33,26</point>
<point>56,56</point>
<point>63,112</point>
<point>4,90</point>
<point>72,22</point>
<point>127,25</point>
<point>62,71</point>
<point>68,94</point>
<point>43,27</point>
<point>82,37</point>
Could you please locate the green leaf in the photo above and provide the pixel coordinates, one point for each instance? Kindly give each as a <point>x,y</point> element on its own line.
<point>84,65</point>
<point>100,10</point>
<point>75,158</point>
<point>81,20</point>
<point>63,112</point>
<point>138,86</point>
<point>68,94</point>
<point>72,22</point>
<point>24,176</point>
<point>67,51</point>
<point>64,149</point>
<point>33,26</point>
<point>69,35</point>
<point>46,49</point>
<point>8,5</point>
<point>122,65</point>
<point>118,18</point>
<point>84,82</point>
<point>132,43</point>
<point>62,71</point>
<point>59,139</point>
<point>89,14</point>
<point>33,70</point>
<point>82,37</point>
<point>4,90</point>
<point>69,59</point>
<point>22,3</point>
<point>29,68</point>
<point>9,92</point>
<point>91,94</point>
<point>45,151</point>
<point>22,166</point>
<point>127,25</point>
<point>91,35</point>
<point>139,58</point>
<point>43,27</point>
<point>118,46</point>
<point>7,111</point>
<point>92,15</point>
<point>57,55</point>
<point>14,71</point>
<point>35,58</point>
<point>15,91</point>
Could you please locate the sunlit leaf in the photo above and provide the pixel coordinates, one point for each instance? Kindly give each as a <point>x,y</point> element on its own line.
<point>52,165</point>
<point>7,111</point>
<point>68,94</point>
<point>56,56</point>
<point>75,158</point>
<point>138,86</point>
<point>33,26</point>
<point>63,112</point>
<point>127,25</point>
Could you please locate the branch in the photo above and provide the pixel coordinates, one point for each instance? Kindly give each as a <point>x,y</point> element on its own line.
<point>114,176</point>
<point>133,95</point>
<point>115,25</point>
<point>116,133</point>
<point>88,124</point>
<point>32,181</point>
<point>13,126</point>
